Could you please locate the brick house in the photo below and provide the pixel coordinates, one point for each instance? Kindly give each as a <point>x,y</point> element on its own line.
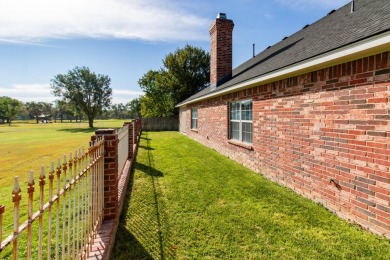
<point>311,112</point>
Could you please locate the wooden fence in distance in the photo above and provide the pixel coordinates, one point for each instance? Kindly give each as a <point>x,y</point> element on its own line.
<point>160,124</point>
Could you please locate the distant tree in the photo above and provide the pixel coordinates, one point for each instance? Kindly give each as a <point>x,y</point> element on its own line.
<point>35,109</point>
<point>122,111</point>
<point>158,100</point>
<point>134,108</point>
<point>47,108</point>
<point>10,108</point>
<point>2,110</point>
<point>119,111</point>
<point>185,72</point>
<point>188,71</point>
<point>74,112</point>
<point>89,92</point>
<point>59,110</point>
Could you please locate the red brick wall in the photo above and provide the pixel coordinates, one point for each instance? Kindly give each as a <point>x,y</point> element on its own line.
<point>221,50</point>
<point>110,171</point>
<point>324,134</point>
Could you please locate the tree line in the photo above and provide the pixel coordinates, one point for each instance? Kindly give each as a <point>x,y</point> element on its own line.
<point>11,109</point>
<point>84,94</point>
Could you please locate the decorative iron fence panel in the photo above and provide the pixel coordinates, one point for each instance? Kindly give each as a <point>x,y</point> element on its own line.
<point>69,219</point>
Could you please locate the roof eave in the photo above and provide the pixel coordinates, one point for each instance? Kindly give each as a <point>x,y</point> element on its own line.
<point>366,47</point>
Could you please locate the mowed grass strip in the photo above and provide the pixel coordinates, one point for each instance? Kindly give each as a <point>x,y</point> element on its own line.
<point>187,201</point>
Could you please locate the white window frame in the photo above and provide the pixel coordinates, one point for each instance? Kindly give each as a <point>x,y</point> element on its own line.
<point>240,121</point>
<point>194,118</point>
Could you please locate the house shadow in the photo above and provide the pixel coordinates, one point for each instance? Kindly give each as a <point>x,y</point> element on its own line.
<point>144,227</point>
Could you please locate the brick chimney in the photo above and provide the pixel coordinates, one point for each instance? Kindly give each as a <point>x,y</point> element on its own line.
<point>221,50</point>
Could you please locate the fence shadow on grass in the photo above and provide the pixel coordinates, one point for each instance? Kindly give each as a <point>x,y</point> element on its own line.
<point>127,246</point>
<point>144,228</point>
<point>145,147</point>
<point>79,130</point>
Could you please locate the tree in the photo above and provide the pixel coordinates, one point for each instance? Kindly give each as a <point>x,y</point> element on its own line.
<point>119,111</point>
<point>188,70</point>
<point>158,99</point>
<point>89,92</point>
<point>185,72</point>
<point>60,108</point>
<point>47,108</point>
<point>10,108</point>
<point>36,109</point>
<point>134,108</point>
<point>2,109</point>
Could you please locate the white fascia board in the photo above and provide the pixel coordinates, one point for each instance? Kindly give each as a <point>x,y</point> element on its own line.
<point>361,47</point>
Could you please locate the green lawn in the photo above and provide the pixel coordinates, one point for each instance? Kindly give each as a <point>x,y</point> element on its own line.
<point>187,201</point>
<point>27,145</point>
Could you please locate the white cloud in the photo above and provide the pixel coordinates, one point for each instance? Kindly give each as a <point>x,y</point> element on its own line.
<point>42,92</point>
<point>124,96</point>
<point>307,4</point>
<point>37,21</point>
<point>28,92</point>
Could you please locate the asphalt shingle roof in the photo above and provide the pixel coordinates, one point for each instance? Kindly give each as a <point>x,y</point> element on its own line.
<point>336,30</point>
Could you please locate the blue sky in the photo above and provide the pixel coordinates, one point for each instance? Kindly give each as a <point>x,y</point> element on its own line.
<point>125,38</point>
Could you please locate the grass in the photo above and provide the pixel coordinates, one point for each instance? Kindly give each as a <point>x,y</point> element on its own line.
<point>186,201</point>
<point>26,146</point>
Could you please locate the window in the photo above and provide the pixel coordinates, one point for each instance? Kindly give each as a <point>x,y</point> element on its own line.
<point>194,118</point>
<point>240,120</point>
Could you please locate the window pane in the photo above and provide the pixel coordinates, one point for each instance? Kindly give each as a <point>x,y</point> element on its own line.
<point>194,118</point>
<point>236,106</point>
<point>194,123</point>
<point>235,130</point>
<point>234,115</point>
<point>246,105</point>
<point>246,110</point>
<point>247,132</point>
<point>246,115</point>
<point>194,113</point>
<point>235,111</point>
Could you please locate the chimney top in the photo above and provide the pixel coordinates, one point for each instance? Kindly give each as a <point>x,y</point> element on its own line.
<point>221,50</point>
<point>221,16</point>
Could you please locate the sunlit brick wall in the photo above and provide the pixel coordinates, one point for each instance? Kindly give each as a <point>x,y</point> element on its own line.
<point>221,50</point>
<point>324,134</point>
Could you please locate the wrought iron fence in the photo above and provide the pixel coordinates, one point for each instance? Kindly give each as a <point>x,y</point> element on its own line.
<point>74,203</point>
<point>70,217</point>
